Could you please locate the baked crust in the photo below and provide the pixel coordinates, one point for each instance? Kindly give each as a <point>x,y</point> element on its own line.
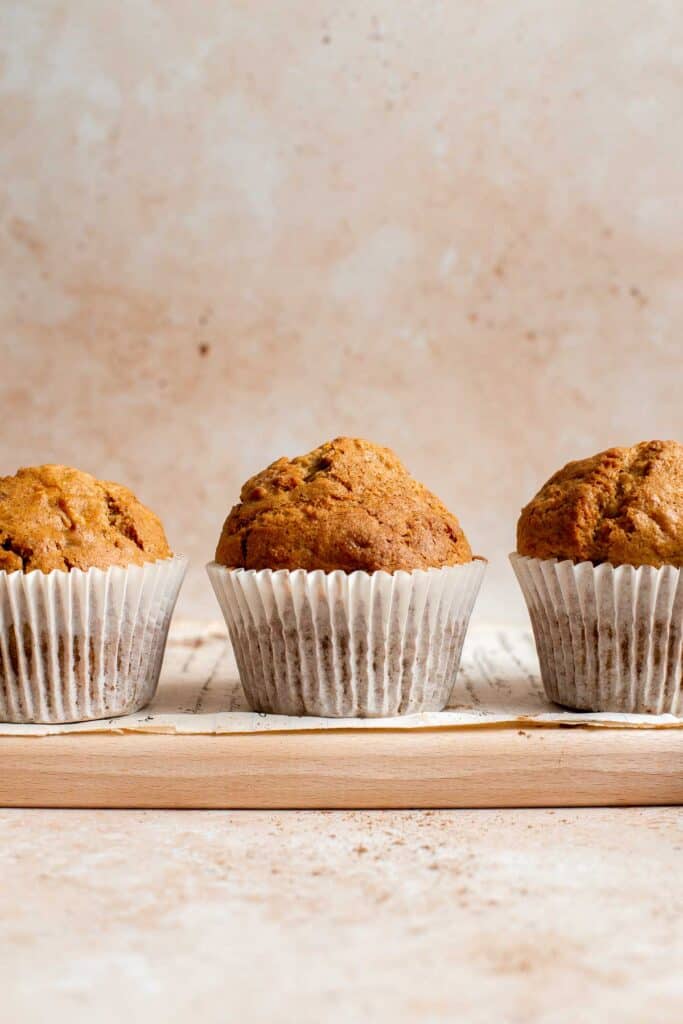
<point>623,506</point>
<point>349,505</point>
<point>56,517</point>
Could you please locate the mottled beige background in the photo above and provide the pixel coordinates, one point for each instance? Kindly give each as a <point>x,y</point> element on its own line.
<point>232,230</point>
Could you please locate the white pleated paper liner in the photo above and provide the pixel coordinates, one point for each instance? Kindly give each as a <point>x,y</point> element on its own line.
<point>76,646</point>
<point>340,645</point>
<point>609,638</point>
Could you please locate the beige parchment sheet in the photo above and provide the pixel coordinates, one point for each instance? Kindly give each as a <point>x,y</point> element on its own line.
<point>199,692</point>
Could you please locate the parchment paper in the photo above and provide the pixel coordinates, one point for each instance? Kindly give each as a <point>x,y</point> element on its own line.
<point>199,692</point>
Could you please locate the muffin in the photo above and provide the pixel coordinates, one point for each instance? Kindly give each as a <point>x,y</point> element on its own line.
<point>346,585</point>
<point>599,556</point>
<point>87,589</point>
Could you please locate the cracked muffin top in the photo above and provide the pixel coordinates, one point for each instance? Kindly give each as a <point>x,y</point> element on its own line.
<point>348,505</point>
<point>55,517</point>
<point>623,506</point>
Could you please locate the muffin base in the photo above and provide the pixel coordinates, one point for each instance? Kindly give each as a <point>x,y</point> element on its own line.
<point>344,645</point>
<point>609,638</point>
<point>77,646</point>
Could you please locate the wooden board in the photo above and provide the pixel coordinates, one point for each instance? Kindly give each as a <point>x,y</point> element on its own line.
<point>482,767</point>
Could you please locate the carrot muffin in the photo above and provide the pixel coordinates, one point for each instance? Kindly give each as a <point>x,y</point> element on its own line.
<point>87,588</point>
<point>55,517</point>
<point>599,553</point>
<point>623,506</point>
<point>346,585</point>
<point>348,505</point>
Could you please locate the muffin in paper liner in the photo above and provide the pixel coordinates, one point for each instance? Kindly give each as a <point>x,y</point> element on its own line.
<point>76,646</point>
<point>609,638</point>
<point>340,644</point>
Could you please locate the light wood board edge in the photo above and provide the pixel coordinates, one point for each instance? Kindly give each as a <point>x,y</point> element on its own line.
<point>476,768</point>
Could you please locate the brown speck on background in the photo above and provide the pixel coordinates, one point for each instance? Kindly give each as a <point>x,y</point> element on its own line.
<point>203,348</point>
<point>636,294</point>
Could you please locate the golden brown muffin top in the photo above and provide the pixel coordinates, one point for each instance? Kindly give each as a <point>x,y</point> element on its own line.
<point>349,505</point>
<point>623,506</point>
<point>55,517</point>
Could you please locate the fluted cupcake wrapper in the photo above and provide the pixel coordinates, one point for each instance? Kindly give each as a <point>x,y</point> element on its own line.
<point>609,638</point>
<point>77,645</point>
<point>344,645</point>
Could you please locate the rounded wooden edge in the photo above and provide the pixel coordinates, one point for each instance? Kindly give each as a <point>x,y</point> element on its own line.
<point>370,769</point>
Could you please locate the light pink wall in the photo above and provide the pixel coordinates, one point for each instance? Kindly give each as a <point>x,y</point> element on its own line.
<point>455,228</point>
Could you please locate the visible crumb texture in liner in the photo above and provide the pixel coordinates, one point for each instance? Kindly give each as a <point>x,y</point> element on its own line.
<point>200,693</point>
<point>84,645</point>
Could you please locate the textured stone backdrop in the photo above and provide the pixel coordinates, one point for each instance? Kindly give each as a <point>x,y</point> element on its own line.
<point>230,231</point>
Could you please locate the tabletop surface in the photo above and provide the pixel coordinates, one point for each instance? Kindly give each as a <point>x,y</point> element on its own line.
<point>517,915</point>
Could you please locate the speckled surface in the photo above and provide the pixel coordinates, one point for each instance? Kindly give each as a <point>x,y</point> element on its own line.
<point>485,916</point>
<point>228,233</point>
